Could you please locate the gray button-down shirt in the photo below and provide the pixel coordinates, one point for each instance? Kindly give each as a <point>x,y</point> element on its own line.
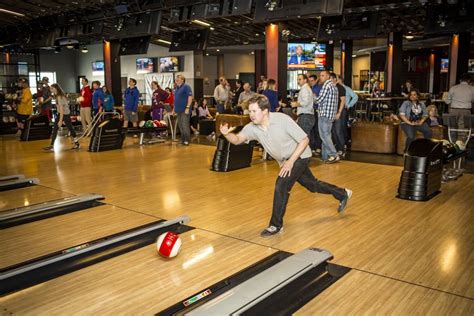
<point>461,96</point>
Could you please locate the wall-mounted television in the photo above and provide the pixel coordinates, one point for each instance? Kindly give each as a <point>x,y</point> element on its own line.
<point>306,56</point>
<point>145,65</point>
<point>170,64</point>
<point>444,65</point>
<point>470,68</point>
<point>98,68</point>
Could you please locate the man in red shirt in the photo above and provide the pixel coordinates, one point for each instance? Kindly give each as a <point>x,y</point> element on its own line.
<point>86,102</point>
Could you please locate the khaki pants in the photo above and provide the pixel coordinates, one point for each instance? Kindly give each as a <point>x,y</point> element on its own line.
<point>86,118</point>
<point>460,113</point>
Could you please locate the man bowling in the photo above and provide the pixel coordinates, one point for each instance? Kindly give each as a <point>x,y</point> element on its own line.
<point>287,143</point>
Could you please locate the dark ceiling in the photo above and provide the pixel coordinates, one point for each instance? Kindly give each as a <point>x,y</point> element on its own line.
<point>54,16</point>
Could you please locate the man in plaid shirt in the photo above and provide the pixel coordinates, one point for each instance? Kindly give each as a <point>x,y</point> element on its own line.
<point>328,101</point>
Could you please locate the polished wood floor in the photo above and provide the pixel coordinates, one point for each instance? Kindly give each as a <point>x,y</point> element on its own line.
<point>407,257</point>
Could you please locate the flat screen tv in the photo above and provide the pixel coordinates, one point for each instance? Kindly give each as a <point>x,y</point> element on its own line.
<point>98,68</point>
<point>306,56</point>
<point>444,65</point>
<point>170,64</point>
<point>470,68</point>
<point>145,65</point>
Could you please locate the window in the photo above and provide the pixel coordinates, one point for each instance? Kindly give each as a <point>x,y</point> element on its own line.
<point>34,85</point>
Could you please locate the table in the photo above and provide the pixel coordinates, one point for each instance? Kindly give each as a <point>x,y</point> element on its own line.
<point>378,105</point>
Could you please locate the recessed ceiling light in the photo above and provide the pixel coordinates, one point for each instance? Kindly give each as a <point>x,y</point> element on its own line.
<point>201,23</point>
<point>353,56</point>
<point>218,50</point>
<point>211,28</point>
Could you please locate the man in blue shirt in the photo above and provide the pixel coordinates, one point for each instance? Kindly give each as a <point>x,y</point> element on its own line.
<point>298,58</point>
<point>130,100</point>
<point>183,98</point>
<point>315,139</point>
<point>97,97</point>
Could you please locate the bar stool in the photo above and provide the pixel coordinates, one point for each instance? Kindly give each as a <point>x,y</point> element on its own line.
<point>361,109</point>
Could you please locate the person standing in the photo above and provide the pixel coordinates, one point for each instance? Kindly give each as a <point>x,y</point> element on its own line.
<point>338,127</point>
<point>304,105</point>
<point>158,101</point>
<point>25,104</point>
<point>221,95</point>
<point>271,94</point>
<point>414,115</point>
<point>109,101</point>
<point>183,97</point>
<point>236,93</point>
<point>64,116</point>
<point>315,139</point>
<point>85,101</point>
<point>244,97</point>
<point>287,143</point>
<point>131,97</point>
<point>461,98</point>
<point>97,97</point>
<point>328,101</point>
<point>46,104</point>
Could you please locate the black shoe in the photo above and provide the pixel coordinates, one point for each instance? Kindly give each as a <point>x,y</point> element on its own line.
<point>343,203</point>
<point>270,231</point>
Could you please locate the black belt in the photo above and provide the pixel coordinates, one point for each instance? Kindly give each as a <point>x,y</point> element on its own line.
<point>305,114</point>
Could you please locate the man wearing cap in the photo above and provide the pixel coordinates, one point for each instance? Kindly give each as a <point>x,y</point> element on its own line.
<point>47,97</point>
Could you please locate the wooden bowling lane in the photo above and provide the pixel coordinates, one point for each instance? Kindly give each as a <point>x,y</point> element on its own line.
<point>28,241</point>
<point>28,196</point>
<point>361,293</point>
<point>139,282</point>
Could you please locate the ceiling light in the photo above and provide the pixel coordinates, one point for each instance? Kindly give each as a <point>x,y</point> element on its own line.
<point>69,46</point>
<point>207,54</point>
<point>211,28</point>
<point>84,50</point>
<point>354,56</point>
<point>271,5</point>
<point>409,36</point>
<point>164,42</point>
<point>256,34</point>
<point>11,12</point>
<point>201,23</point>
<point>218,50</point>
<point>251,53</point>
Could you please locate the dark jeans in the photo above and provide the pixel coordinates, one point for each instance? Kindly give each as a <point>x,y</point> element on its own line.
<point>184,128</point>
<point>220,108</point>
<point>301,174</point>
<point>411,130</point>
<point>339,131</point>
<point>306,122</point>
<point>315,139</point>
<point>67,121</point>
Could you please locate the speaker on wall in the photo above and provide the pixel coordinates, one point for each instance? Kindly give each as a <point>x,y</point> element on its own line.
<point>144,24</point>
<point>134,45</point>
<point>236,7</point>
<point>195,40</point>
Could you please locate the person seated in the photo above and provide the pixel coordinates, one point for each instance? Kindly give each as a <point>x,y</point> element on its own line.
<point>413,115</point>
<point>194,120</point>
<point>203,111</point>
<point>407,88</point>
<point>433,118</point>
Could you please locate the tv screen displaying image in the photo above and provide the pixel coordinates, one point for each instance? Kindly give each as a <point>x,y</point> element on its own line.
<point>97,68</point>
<point>306,56</point>
<point>444,65</point>
<point>470,68</point>
<point>169,64</point>
<point>145,65</point>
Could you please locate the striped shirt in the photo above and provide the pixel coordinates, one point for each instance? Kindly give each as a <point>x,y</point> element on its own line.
<point>328,100</point>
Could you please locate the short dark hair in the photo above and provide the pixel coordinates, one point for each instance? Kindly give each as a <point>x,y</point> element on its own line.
<point>314,77</point>
<point>134,81</point>
<point>261,100</point>
<point>465,77</point>
<point>97,82</point>
<point>85,79</point>
<point>271,81</point>
<point>332,75</point>
<point>304,76</point>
